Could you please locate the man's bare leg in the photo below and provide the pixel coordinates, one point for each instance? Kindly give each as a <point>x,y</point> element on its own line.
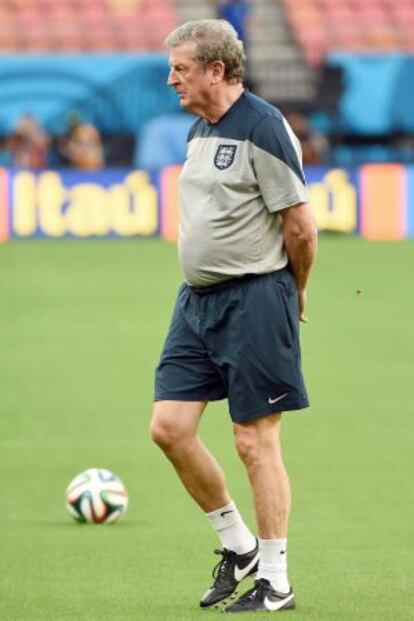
<point>258,445</point>
<point>174,429</point>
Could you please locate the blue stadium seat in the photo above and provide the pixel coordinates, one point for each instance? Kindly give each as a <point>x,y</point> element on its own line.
<point>367,103</point>
<point>119,93</point>
<point>403,105</point>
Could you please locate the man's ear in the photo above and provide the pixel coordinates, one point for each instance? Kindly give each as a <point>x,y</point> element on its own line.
<point>217,71</point>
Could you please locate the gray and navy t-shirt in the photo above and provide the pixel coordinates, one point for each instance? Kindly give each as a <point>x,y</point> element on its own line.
<point>238,174</point>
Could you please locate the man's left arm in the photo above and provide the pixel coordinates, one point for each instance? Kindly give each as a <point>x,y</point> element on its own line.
<point>301,241</point>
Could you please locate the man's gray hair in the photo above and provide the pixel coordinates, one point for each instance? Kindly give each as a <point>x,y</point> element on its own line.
<point>215,39</point>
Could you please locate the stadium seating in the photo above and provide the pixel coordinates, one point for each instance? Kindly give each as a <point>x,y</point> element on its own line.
<point>324,26</point>
<point>119,93</point>
<point>385,79</point>
<point>84,25</point>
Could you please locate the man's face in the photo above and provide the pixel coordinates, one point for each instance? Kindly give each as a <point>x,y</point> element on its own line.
<point>191,81</point>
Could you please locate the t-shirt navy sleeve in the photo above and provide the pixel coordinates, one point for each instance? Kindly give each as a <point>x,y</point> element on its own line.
<point>277,162</point>
<point>193,129</point>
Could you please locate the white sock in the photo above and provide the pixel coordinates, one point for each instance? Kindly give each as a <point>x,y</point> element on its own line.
<point>231,529</point>
<point>273,563</point>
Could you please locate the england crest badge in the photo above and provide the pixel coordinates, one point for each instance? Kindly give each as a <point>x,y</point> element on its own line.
<point>225,156</point>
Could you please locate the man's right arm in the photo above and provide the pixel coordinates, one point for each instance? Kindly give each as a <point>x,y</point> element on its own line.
<point>301,241</point>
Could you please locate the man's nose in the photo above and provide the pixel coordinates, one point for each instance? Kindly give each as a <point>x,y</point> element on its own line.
<point>172,78</point>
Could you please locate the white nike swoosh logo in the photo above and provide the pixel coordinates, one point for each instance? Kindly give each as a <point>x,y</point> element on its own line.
<point>278,604</point>
<point>239,574</point>
<point>271,401</point>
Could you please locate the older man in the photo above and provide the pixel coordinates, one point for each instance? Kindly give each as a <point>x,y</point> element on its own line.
<point>247,243</point>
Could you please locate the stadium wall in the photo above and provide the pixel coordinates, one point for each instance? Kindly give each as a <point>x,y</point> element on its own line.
<point>375,201</point>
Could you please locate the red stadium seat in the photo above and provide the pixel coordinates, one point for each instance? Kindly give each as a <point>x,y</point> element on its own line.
<point>353,25</point>
<point>78,25</point>
<point>10,36</point>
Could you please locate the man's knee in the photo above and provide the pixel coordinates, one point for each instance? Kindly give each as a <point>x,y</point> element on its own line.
<point>169,426</point>
<point>163,430</point>
<point>247,444</point>
<point>257,441</point>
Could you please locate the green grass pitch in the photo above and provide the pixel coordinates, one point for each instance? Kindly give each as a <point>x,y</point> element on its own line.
<point>81,326</point>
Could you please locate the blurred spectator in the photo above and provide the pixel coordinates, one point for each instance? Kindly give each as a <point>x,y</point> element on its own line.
<point>237,13</point>
<point>82,148</point>
<point>28,144</point>
<point>315,147</point>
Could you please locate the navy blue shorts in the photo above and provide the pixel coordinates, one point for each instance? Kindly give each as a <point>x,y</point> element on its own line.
<point>237,340</point>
